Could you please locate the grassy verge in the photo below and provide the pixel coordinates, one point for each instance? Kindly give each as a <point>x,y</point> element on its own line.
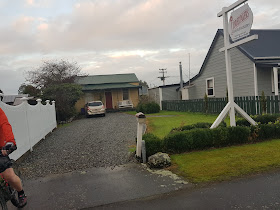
<point>226,163</point>
<point>63,125</point>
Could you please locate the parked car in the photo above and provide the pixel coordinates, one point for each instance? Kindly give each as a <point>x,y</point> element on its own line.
<point>95,108</point>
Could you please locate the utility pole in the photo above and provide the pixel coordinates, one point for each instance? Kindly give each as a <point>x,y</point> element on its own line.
<point>162,78</point>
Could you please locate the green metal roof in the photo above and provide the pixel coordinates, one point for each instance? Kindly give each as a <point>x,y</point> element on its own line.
<point>109,86</point>
<point>106,79</point>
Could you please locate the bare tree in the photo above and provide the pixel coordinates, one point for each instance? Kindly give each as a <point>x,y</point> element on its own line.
<point>53,73</point>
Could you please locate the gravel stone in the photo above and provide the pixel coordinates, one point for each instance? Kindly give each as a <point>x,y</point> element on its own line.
<point>84,143</point>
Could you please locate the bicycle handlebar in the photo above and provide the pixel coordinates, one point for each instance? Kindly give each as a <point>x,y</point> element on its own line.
<point>9,147</point>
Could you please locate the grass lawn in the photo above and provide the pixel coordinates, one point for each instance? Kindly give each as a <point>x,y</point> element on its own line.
<point>226,163</point>
<point>161,126</point>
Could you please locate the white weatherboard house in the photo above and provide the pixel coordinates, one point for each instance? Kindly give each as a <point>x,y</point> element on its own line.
<point>255,68</point>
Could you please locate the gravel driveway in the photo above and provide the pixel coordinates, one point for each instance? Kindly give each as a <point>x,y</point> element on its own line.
<point>84,143</point>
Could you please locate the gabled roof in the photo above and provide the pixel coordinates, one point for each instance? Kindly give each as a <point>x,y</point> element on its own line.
<point>267,46</point>
<point>106,79</point>
<point>264,51</point>
<point>105,82</point>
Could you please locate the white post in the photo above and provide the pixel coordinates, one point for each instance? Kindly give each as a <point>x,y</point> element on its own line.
<point>275,73</point>
<point>160,97</point>
<point>141,118</point>
<point>24,101</point>
<point>228,71</point>
<point>255,81</point>
<point>256,86</point>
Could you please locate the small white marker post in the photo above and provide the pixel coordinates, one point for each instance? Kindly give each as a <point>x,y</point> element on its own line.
<point>141,118</point>
<point>231,105</point>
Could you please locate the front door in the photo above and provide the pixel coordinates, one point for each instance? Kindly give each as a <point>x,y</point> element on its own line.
<point>109,104</point>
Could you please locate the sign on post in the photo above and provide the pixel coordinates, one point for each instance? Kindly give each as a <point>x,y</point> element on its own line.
<point>238,26</point>
<point>240,22</point>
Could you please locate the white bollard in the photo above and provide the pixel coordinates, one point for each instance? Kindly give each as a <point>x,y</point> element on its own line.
<point>141,118</point>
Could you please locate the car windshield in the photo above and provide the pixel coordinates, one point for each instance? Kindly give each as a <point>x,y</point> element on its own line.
<point>96,103</point>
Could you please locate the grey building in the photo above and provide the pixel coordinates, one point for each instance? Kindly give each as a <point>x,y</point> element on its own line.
<point>254,64</point>
<point>165,92</point>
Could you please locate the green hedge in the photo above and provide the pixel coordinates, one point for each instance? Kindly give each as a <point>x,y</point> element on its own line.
<point>203,138</point>
<point>198,138</point>
<point>153,144</point>
<point>262,119</point>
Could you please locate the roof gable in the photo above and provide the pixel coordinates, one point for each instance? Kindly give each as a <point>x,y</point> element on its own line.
<point>265,47</point>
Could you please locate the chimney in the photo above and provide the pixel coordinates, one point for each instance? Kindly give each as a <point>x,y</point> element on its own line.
<point>181,77</point>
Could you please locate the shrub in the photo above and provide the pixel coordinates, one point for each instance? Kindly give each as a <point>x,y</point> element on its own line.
<point>153,144</point>
<point>238,135</point>
<point>148,108</point>
<point>262,119</point>
<point>267,131</point>
<point>178,142</point>
<point>220,137</point>
<point>199,138</point>
<point>202,138</point>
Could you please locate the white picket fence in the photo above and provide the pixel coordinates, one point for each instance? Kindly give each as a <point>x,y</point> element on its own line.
<point>30,123</point>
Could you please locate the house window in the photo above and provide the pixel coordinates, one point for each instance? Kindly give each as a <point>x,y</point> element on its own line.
<point>125,94</point>
<point>210,86</point>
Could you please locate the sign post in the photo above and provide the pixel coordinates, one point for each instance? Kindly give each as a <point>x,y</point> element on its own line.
<point>240,25</point>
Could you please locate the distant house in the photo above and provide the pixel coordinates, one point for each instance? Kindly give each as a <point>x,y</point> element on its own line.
<point>165,92</point>
<point>16,99</point>
<point>255,68</point>
<point>116,91</point>
<point>143,91</point>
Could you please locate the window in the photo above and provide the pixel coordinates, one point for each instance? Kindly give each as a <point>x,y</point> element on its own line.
<point>95,103</point>
<point>210,87</point>
<point>125,94</point>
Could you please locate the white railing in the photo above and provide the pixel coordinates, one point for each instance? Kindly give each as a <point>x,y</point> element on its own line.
<point>30,123</point>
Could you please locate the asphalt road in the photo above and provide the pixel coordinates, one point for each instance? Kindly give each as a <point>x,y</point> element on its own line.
<point>255,192</point>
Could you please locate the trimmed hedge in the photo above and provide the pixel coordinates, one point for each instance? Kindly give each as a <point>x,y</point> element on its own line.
<point>203,138</point>
<point>198,138</point>
<point>153,144</point>
<point>262,119</point>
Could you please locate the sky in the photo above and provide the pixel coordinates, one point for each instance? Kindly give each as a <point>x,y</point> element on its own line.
<point>115,36</point>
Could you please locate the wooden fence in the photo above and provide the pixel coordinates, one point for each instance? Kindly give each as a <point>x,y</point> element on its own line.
<point>252,105</point>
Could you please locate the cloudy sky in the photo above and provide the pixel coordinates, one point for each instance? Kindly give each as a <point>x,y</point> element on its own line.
<point>114,36</point>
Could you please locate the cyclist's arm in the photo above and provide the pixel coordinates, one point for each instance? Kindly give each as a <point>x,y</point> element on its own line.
<point>6,131</point>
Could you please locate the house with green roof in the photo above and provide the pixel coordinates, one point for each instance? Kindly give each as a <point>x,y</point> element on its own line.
<point>116,91</point>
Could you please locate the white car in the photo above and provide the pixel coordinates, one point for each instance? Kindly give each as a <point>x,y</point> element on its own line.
<point>95,108</point>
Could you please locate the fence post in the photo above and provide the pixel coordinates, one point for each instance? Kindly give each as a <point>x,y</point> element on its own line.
<point>25,104</point>
<point>54,113</point>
